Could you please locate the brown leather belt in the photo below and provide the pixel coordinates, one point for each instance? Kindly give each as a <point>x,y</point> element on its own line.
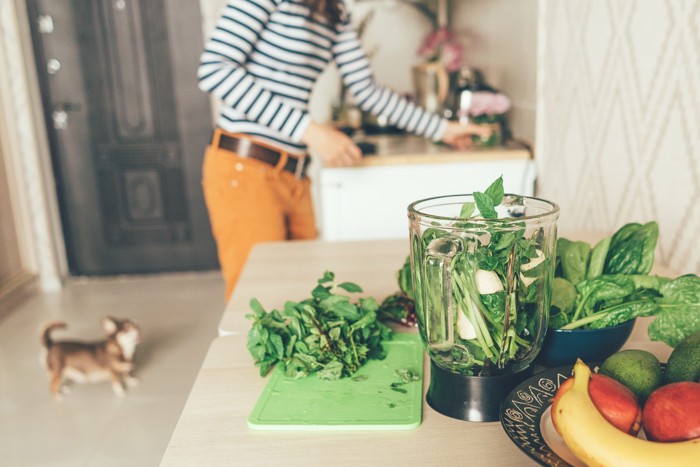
<point>247,148</point>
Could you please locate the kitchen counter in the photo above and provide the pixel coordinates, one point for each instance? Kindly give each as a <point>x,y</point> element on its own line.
<point>411,149</point>
<point>212,428</point>
<point>407,168</point>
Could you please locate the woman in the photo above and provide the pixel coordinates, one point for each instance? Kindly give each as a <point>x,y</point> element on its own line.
<point>262,61</point>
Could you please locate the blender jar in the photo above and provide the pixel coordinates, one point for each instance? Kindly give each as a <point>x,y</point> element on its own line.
<point>482,295</point>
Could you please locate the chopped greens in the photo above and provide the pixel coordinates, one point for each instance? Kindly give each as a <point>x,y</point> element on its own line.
<point>326,334</point>
<point>405,376</point>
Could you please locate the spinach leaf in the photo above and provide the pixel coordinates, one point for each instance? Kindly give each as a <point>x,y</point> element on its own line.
<point>632,249</point>
<point>574,259</point>
<point>495,305</point>
<point>624,312</point>
<point>597,261</point>
<point>605,287</point>
<point>563,296</point>
<point>558,320</point>
<point>679,314</point>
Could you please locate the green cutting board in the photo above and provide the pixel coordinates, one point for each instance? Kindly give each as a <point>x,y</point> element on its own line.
<point>365,403</point>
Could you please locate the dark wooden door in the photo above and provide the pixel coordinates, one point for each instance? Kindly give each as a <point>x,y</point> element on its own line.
<point>127,130</point>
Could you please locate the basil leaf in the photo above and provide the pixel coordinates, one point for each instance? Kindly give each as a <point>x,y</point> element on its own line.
<point>485,205</point>
<point>350,287</point>
<point>495,191</point>
<point>327,277</point>
<point>257,308</point>
<point>467,210</point>
<point>332,371</point>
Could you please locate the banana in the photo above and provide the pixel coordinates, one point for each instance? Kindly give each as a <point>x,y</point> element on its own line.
<point>596,442</point>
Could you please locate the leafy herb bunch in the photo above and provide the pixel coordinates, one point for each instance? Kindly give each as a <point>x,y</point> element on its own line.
<point>326,333</point>
<point>609,284</point>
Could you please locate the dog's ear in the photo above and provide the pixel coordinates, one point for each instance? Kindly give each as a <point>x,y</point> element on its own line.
<point>109,325</point>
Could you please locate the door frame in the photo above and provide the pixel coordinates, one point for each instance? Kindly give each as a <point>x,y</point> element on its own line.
<point>26,153</point>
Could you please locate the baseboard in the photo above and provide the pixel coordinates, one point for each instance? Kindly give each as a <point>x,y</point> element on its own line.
<point>15,290</point>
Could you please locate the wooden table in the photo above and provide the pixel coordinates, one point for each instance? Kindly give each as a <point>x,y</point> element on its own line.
<point>212,429</point>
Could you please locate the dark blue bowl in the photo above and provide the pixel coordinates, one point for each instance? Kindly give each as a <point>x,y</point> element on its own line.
<point>564,346</point>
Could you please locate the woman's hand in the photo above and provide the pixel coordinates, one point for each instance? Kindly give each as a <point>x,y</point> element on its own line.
<point>460,136</point>
<point>335,147</point>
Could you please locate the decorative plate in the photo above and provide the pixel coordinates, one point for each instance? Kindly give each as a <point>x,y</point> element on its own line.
<point>525,416</point>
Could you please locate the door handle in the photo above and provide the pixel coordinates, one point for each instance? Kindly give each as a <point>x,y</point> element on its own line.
<point>53,66</point>
<point>60,119</point>
<point>60,114</point>
<point>45,23</point>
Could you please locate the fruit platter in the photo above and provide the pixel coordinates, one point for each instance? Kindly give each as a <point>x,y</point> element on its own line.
<point>630,409</point>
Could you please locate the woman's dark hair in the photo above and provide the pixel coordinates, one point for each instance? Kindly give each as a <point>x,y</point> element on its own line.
<point>330,10</point>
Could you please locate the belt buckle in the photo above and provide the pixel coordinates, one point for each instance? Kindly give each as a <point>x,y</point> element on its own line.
<point>244,145</point>
<point>299,170</point>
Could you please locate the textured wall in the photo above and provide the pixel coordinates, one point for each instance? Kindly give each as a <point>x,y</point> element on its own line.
<point>619,118</point>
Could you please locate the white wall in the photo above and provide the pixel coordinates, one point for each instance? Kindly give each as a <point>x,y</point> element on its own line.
<point>500,38</point>
<point>619,118</point>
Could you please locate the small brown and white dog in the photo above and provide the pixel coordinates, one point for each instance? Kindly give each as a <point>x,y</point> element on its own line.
<point>87,362</point>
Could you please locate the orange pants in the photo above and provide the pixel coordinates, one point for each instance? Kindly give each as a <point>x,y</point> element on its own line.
<point>250,201</point>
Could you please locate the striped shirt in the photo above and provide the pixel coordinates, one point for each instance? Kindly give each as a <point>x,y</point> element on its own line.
<point>263,58</point>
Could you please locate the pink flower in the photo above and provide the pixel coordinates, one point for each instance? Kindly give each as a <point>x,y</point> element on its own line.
<point>442,45</point>
<point>488,103</point>
<point>452,56</point>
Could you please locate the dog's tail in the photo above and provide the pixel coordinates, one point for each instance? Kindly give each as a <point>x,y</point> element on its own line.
<point>46,332</point>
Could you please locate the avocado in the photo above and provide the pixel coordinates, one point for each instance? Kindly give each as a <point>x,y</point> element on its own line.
<point>639,370</point>
<point>684,362</point>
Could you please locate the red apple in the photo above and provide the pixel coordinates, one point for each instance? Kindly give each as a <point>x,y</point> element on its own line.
<point>672,412</point>
<point>614,401</point>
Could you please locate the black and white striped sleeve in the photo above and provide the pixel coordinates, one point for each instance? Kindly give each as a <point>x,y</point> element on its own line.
<point>222,69</point>
<point>357,76</point>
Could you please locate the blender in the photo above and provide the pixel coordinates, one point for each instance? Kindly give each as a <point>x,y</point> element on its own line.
<point>482,291</point>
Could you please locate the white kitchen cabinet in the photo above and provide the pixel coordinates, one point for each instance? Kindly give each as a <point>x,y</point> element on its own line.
<point>370,200</point>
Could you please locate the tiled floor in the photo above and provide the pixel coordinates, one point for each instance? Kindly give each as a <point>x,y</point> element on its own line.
<point>178,315</point>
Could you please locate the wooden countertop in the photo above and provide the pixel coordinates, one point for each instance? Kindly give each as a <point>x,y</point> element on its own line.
<point>212,429</point>
<point>411,149</point>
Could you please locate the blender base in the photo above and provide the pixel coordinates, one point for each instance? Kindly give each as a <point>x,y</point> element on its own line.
<point>471,398</point>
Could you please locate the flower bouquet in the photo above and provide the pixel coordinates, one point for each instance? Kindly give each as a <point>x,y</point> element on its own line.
<point>488,108</point>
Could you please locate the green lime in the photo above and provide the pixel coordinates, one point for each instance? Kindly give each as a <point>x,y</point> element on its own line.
<point>639,370</point>
<point>684,362</point>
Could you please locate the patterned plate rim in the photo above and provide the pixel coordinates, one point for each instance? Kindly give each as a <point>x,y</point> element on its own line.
<point>522,411</point>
